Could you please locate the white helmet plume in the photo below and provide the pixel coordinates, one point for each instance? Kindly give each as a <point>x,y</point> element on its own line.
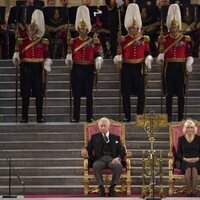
<point>83,16</point>
<point>133,16</point>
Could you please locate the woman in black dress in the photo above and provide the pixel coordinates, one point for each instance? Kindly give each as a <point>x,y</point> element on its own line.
<point>189,155</point>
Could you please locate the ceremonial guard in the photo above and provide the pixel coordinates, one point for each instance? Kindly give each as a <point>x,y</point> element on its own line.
<point>85,57</point>
<point>175,51</point>
<point>33,59</point>
<point>135,56</point>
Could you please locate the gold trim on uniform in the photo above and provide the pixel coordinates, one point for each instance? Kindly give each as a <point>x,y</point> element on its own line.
<point>83,62</point>
<point>187,38</point>
<point>45,41</point>
<point>122,38</point>
<point>162,39</point>
<point>133,61</point>
<point>34,60</point>
<point>96,40</point>
<point>20,40</point>
<point>175,59</point>
<point>146,38</point>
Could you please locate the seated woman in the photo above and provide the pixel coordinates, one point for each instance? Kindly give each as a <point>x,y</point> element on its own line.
<point>189,154</point>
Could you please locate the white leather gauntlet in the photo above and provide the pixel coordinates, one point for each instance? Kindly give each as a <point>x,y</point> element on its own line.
<point>98,63</point>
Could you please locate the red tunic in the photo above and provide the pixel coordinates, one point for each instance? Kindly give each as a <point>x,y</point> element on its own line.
<point>33,50</point>
<point>85,53</point>
<point>135,49</point>
<point>179,51</point>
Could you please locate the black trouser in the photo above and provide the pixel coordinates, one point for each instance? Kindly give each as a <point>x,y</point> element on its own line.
<point>31,85</point>
<point>132,82</point>
<point>175,85</point>
<point>82,78</point>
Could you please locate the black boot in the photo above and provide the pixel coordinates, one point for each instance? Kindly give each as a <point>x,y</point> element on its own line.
<point>101,191</point>
<point>112,192</point>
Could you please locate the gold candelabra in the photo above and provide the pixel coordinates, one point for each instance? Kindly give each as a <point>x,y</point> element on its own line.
<point>152,164</point>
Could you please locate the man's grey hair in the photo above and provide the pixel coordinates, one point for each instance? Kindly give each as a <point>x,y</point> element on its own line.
<point>104,119</point>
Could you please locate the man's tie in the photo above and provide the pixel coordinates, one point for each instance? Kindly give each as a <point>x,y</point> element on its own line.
<point>105,138</point>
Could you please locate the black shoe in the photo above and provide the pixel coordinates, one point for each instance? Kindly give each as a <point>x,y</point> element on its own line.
<point>126,119</point>
<point>74,121</point>
<point>101,192</point>
<point>90,120</point>
<point>41,120</point>
<point>112,192</point>
<point>24,120</point>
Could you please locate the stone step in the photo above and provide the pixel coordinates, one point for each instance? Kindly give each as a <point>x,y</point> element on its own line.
<point>65,118</point>
<point>100,93</point>
<point>58,162</point>
<point>101,76</point>
<point>59,64</point>
<point>53,101</point>
<point>101,84</point>
<point>29,145</point>
<point>60,153</point>
<point>99,109</point>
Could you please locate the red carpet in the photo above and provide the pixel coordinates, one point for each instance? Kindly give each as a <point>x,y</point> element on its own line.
<point>69,195</point>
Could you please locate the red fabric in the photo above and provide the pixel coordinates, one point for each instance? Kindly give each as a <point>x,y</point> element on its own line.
<point>177,132</point>
<point>87,52</point>
<point>177,171</point>
<point>106,171</point>
<point>180,50</point>
<point>37,51</point>
<point>138,50</point>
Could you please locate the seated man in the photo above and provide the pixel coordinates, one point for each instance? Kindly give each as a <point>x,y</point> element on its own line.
<point>105,151</point>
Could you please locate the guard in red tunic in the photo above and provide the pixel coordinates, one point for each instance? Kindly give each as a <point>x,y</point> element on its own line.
<point>135,54</point>
<point>33,57</point>
<point>85,58</point>
<point>175,51</point>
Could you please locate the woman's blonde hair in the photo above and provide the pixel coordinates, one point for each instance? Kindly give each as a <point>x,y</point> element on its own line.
<point>190,123</point>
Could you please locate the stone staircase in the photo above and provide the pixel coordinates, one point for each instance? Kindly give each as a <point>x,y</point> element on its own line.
<point>105,96</point>
<point>47,156</point>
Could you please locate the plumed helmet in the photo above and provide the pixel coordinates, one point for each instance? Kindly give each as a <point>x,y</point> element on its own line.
<point>38,19</point>
<point>133,17</point>
<point>83,18</point>
<point>174,17</point>
<point>32,26</point>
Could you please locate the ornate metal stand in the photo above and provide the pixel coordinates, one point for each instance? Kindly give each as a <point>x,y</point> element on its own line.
<point>152,165</point>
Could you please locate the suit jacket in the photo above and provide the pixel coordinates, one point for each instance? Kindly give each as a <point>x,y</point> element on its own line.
<point>95,145</point>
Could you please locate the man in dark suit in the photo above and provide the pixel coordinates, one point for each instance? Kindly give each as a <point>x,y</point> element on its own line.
<point>105,152</point>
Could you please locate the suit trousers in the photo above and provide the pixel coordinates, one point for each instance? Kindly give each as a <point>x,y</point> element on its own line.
<point>104,162</point>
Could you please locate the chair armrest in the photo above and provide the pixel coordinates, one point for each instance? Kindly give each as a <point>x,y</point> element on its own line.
<point>129,154</point>
<point>85,164</point>
<point>171,160</point>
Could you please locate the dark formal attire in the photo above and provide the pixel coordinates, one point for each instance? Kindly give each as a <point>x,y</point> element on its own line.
<point>174,72</point>
<point>32,54</point>
<point>84,53</point>
<point>188,150</point>
<point>101,152</point>
<point>134,51</point>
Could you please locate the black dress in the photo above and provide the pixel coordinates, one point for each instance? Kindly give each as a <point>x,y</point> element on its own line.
<point>188,150</point>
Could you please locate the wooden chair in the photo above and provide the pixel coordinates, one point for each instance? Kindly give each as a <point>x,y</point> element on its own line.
<point>117,128</point>
<point>175,130</point>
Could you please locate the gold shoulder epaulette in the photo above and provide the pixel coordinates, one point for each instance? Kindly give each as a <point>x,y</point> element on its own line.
<point>187,38</point>
<point>96,40</point>
<point>45,41</point>
<point>146,38</point>
<point>122,38</point>
<point>162,39</point>
<point>20,40</point>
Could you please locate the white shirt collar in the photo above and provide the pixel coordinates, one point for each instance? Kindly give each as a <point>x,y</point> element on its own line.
<point>107,134</point>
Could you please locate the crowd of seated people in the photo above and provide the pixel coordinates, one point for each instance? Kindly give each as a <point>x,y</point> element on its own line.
<point>104,22</point>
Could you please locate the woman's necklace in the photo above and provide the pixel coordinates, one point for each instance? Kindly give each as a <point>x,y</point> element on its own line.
<point>189,138</point>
